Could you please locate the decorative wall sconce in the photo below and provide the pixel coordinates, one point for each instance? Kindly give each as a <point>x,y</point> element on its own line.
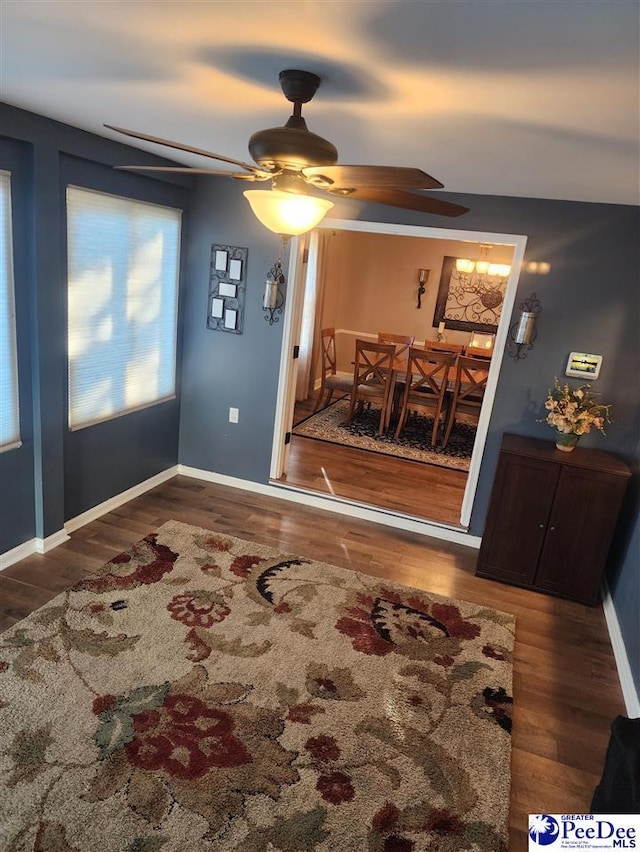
<point>523,332</point>
<point>423,277</point>
<point>273,300</point>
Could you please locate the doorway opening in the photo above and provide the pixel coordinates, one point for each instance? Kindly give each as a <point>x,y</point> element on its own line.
<point>364,278</point>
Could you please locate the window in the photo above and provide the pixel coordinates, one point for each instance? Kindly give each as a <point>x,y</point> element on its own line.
<point>122,262</point>
<point>9,421</point>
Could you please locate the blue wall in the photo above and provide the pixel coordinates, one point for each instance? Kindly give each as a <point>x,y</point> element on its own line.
<point>220,369</point>
<point>56,475</point>
<point>111,457</point>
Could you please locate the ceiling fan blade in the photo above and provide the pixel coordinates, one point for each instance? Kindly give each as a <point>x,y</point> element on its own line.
<point>345,177</point>
<point>180,147</point>
<point>194,171</point>
<point>409,200</point>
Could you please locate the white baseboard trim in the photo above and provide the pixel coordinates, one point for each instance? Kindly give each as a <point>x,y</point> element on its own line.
<point>341,507</point>
<point>44,545</point>
<point>629,691</point>
<point>14,555</point>
<point>34,545</point>
<point>124,497</point>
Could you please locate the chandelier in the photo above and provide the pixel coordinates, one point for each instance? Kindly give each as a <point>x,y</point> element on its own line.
<point>482,267</point>
<point>476,291</point>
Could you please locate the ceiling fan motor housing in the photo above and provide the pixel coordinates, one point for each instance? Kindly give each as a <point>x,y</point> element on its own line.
<point>291,147</point>
<point>298,86</point>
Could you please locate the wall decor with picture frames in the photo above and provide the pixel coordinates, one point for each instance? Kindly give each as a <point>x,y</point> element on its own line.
<point>227,286</point>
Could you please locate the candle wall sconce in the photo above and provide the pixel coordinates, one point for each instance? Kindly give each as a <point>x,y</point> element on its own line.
<point>523,332</point>
<point>273,300</point>
<point>423,277</point>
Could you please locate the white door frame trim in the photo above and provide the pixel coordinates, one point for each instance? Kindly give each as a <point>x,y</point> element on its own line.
<point>291,326</point>
<point>291,322</point>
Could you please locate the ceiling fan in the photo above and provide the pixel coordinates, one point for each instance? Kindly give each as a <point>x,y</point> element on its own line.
<point>295,160</point>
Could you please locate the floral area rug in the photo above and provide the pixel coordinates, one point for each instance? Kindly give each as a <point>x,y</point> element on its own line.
<point>414,443</point>
<point>203,692</point>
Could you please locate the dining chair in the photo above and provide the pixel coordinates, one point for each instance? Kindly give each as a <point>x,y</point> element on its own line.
<point>477,352</point>
<point>480,340</point>
<point>425,387</point>
<point>402,342</point>
<point>468,390</point>
<point>443,346</point>
<point>330,382</point>
<point>373,379</point>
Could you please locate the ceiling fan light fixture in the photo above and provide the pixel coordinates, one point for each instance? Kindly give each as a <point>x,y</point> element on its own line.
<point>287,213</point>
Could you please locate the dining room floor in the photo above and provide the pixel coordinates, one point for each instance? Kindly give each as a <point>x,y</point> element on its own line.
<point>426,491</point>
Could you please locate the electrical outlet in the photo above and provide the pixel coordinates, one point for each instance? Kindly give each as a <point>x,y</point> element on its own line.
<point>233,415</point>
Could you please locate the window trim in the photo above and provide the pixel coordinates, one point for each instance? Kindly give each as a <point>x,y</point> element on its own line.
<point>119,414</point>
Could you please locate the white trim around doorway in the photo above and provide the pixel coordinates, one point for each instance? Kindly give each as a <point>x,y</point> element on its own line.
<point>291,327</point>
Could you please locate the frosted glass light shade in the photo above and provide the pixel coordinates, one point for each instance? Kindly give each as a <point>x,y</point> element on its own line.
<point>501,270</point>
<point>465,265</point>
<point>287,213</point>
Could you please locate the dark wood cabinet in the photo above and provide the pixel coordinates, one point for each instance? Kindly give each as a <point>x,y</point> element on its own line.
<point>551,517</point>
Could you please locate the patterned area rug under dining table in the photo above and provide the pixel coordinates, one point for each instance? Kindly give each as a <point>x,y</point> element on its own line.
<point>414,443</point>
<point>209,693</point>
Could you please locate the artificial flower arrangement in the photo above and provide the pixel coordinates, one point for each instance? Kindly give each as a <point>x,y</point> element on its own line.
<point>575,412</point>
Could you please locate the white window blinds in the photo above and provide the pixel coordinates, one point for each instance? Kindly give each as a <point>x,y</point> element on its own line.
<point>9,422</point>
<point>122,261</point>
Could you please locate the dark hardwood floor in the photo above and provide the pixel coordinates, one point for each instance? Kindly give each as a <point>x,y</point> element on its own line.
<point>566,690</point>
<point>423,490</point>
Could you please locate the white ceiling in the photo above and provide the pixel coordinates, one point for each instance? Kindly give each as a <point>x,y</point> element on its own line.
<point>502,97</point>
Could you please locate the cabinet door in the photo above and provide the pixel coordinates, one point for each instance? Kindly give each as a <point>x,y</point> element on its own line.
<point>519,509</point>
<point>579,533</point>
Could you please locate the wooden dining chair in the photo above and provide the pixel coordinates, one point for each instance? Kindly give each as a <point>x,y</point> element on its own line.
<point>480,340</point>
<point>443,346</point>
<point>468,390</point>
<point>330,382</point>
<point>477,352</point>
<point>402,342</point>
<point>373,379</point>
<point>425,387</point>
